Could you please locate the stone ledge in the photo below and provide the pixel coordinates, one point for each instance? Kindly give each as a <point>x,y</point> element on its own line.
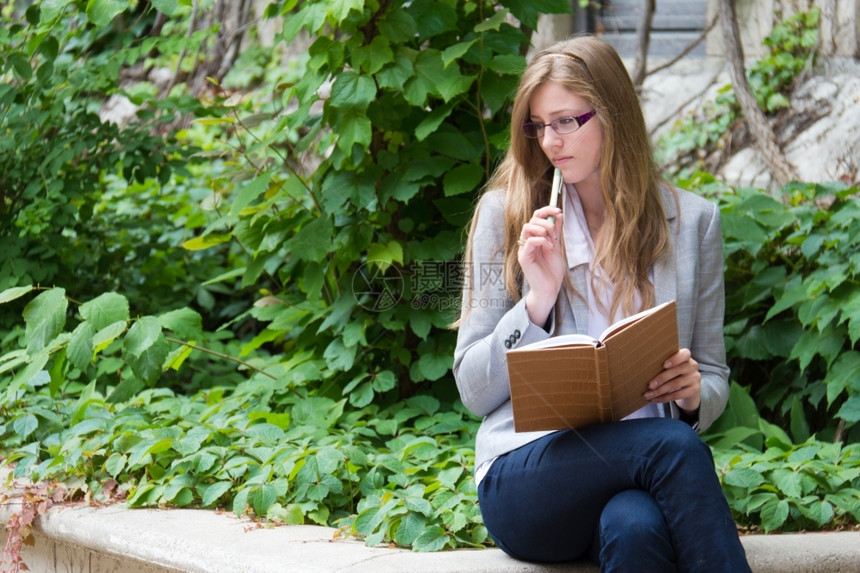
<point>115,539</point>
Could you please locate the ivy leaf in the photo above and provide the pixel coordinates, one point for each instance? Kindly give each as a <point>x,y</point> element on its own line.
<point>434,366</point>
<point>25,424</point>
<point>743,477</point>
<point>384,255</point>
<point>147,447</point>
<point>353,127</point>
<point>11,294</point>
<point>351,90</point>
<point>339,10</point>
<point>183,322</point>
<point>313,240</point>
<point>384,381</point>
<point>527,11</point>
<point>456,51</point>
<point>87,396</point>
<point>430,72</point>
<point>850,410</point>
<point>105,310</point>
<point>21,66</point>
<point>338,356</point>
<point>493,22</point>
<point>409,529</point>
<point>115,463</point>
<point>50,9</point>
<point>843,376</point>
<point>362,395</point>
<point>177,357</point>
<point>166,7</point>
<point>397,73</point>
<point>213,492</point>
<point>507,64</point>
<point>496,89</point>
<point>106,335</point>
<point>398,26</point>
<point>102,12</point>
<point>431,539</point>
<point>45,317</point>
<point>789,482</point>
<point>249,193</point>
<point>145,349</point>
<point>456,84</point>
<point>432,18</point>
<point>773,514</point>
<point>80,349</point>
<point>463,179</point>
<point>372,57</point>
<point>128,387</point>
<point>206,241</point>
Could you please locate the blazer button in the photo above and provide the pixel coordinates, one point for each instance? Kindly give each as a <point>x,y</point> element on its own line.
<point>512,340</point>
<point>508,344</point>
<point>517,334</point>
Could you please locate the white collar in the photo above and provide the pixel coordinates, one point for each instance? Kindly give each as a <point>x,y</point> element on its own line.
<point>577,240</point>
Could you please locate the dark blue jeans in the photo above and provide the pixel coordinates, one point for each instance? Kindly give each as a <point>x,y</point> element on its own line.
<point>638,495</point>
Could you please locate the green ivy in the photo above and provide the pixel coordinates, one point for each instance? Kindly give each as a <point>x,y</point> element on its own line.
<point>773,484</point>
<point>398,474</point>
<point>76,192</point>
<point>792,267</point>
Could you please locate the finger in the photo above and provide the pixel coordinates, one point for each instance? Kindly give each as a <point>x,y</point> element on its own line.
<point>545,212</point>
<point>670,392</point>
<point>678,358</point>
<point>537,231</point>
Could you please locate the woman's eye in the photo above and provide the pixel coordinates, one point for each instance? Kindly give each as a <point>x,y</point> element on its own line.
<point>565,120</point>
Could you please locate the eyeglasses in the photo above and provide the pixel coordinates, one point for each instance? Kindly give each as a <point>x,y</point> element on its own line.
<point>561,126</point>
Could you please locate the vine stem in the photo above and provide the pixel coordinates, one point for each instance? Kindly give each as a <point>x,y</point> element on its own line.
<point>220,355</point>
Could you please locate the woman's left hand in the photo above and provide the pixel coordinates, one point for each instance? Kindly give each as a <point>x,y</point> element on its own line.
<point>680,382</point>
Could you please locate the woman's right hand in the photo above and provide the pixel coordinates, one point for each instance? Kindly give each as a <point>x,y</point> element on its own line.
<point>542,260</point>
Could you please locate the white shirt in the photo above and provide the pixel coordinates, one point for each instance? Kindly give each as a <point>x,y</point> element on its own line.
<point>579,247</point>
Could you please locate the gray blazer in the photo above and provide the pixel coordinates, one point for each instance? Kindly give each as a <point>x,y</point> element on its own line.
<point>692,275</point>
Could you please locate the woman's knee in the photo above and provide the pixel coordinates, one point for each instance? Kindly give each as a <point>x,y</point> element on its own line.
<point>634,512</point>
<point>680,438</point>
<point>633,530</point>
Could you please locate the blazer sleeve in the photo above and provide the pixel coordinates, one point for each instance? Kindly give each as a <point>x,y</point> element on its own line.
<point>707,344</point>
<point>492,322</point>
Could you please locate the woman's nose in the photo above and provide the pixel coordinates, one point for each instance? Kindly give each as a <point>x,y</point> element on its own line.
<point>550,137</point>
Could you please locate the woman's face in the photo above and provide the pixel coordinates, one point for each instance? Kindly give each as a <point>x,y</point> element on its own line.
<point>576,154</point>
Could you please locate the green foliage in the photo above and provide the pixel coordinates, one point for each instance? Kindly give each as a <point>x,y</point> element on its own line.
<point>401,473</point>
<point>81,197</point>
<point>791,47</point>
<point>352,186</point>
<point>792,325</point>
<point>777,485</point>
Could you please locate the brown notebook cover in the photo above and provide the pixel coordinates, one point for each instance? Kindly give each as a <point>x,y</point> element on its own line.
<point>572,381</point>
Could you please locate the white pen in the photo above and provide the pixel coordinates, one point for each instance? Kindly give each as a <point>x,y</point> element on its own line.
<point>557,182</point>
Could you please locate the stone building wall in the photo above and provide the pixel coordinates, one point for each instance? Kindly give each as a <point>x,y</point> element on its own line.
<point>675,26</point>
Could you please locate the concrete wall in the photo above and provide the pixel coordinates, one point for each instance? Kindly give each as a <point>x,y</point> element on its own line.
<point>840,30</point>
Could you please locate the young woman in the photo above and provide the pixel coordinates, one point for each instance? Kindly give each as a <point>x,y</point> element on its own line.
<point>636,495</point>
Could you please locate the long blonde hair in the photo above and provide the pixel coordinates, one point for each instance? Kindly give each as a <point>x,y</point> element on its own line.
<point>634,232</point>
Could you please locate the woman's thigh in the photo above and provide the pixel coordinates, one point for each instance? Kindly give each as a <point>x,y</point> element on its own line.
<point>543,501</point>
